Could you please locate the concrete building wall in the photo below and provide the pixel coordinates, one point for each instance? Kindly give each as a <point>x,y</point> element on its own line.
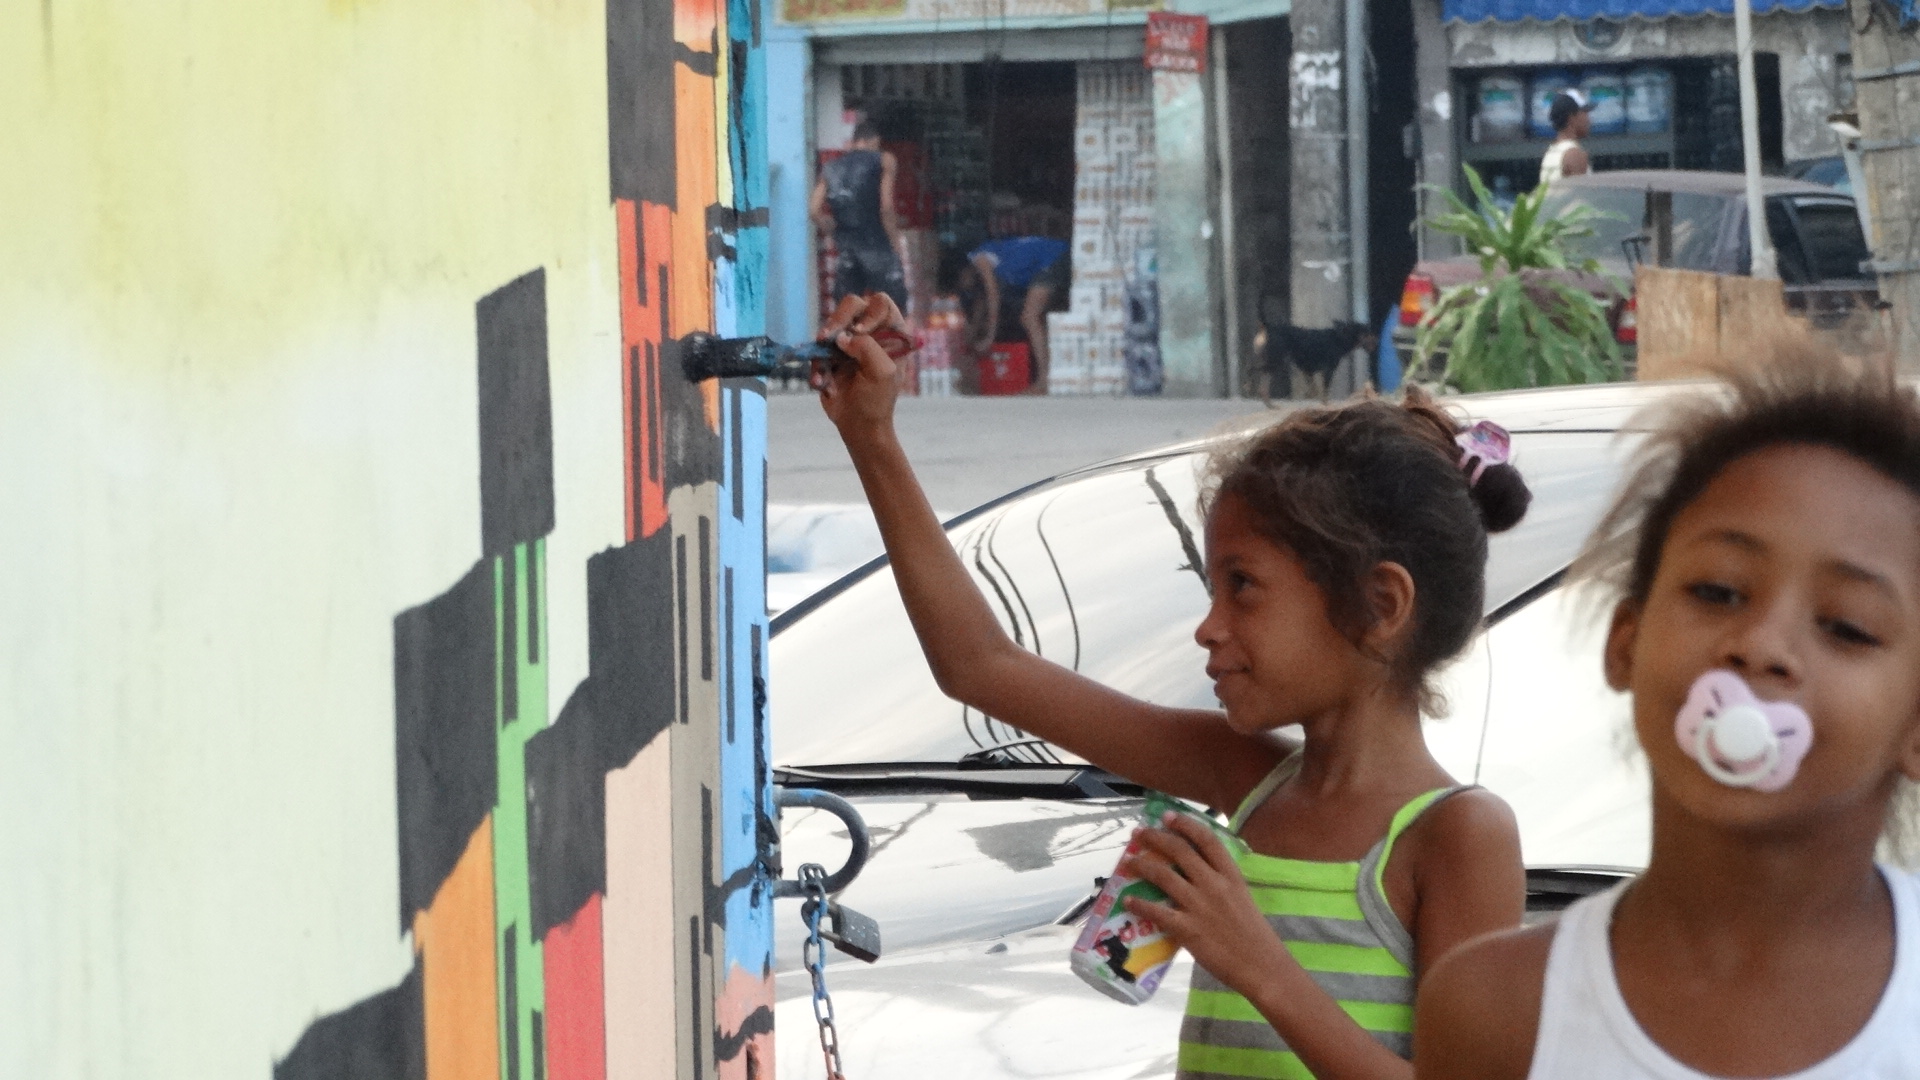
<point>377,587</point>
<point>1317,121</point>
<point>1183,223</point>
<point>1433,82</point>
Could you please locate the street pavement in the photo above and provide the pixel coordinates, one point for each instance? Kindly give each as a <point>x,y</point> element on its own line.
<point>965,450</point>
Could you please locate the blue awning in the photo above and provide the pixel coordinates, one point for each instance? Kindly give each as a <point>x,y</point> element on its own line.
<point>1582,10</point>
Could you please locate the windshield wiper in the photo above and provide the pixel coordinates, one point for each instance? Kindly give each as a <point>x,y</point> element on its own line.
<point>1036,751</point>
<point>976,778</point>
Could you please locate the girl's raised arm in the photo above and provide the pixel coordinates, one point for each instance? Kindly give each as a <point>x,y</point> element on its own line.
<point>1187,752</point>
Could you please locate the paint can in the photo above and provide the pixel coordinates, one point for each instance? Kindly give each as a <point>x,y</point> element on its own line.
<point>1118,953</point>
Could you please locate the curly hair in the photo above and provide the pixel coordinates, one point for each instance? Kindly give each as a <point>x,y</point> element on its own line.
<point>1352,486</point>
<point>1802,398</point>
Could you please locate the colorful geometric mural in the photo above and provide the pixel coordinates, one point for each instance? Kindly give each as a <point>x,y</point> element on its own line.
<point>590,899</point>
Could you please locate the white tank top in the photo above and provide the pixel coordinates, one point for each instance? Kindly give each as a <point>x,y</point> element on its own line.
<point>1587,1032</point>
<point>1551,164</point>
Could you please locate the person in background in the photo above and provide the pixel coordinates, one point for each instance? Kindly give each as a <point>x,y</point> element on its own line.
<point>1763,560</point>
<point>958,278</point>
<point>1346,553</point>
<point>1564,158</point>
<point>853,203</point>
<point>1020,278</point>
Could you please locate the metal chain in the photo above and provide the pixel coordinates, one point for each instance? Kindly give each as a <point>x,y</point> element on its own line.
<point>813,879</point>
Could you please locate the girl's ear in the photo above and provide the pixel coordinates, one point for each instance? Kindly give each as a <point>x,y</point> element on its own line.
<point>1621,637</point>
<point>1908,761</point>
<point>1390,595</point>
<point>1910,756</point>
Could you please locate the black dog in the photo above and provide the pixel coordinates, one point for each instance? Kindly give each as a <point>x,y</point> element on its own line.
<point>1281,349</point>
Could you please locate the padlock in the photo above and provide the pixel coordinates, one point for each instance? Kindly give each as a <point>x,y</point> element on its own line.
<point>851,932</point>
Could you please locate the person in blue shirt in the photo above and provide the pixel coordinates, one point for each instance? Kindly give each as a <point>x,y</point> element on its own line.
<point>1020,277</point>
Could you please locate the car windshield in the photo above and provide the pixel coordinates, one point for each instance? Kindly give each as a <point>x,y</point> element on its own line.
<point>1622,214</point>
<point>1831,237</point>
<point>1099,571</point>
<point>1831,171</point>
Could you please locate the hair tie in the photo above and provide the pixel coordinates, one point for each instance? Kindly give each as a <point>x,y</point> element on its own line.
<point>1484,444</point>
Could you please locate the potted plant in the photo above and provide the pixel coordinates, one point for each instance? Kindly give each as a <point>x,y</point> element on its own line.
<point>1529,320</point>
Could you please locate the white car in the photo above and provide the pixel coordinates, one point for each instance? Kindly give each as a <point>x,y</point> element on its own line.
<point>986,843</point>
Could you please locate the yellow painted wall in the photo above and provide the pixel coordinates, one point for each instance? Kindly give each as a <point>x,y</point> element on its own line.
<point>240,247</point>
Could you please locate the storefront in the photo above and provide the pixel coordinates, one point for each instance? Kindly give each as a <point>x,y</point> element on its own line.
<point>1660,74</point>
<point>992,149</point>
<point>1024,123</point>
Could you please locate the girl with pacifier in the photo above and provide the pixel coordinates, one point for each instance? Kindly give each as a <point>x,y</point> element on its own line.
<point>1346,555</point>
<point>1765,558</point>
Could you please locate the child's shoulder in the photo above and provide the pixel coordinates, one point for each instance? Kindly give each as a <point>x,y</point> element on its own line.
<point>1467,831</point>
<point>1467,810</point>
<point>1479,1008</point>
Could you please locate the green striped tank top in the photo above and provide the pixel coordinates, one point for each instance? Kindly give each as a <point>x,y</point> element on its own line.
<point>1335,920</point>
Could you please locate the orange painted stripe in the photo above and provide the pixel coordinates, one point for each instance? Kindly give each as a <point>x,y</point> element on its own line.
<point>695,24</point>
<point>693,169</point>
<point>646,242</point>
<point>454,938</point>
<point>627,237</point>
<point>695,150</point>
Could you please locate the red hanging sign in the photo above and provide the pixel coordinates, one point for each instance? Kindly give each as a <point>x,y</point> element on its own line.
<point>1176,42</point>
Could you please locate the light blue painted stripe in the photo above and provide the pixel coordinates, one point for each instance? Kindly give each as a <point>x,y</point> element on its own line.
<point>745,797</point>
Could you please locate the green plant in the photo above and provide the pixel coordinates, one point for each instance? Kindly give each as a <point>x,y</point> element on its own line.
<point>1526,321</point>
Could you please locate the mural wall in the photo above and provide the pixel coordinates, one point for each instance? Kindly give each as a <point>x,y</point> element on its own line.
<point>391,686</point>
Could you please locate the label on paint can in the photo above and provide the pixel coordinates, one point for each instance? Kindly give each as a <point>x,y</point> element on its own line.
<point>1118,953</point>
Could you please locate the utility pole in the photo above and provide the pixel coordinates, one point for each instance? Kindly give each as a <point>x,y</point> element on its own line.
<point>1764,265</point>
<point>1358,240</point>
<point>1886,72</point>
<point>1317,117</point>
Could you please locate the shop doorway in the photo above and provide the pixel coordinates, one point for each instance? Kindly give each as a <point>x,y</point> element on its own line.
<point>991,150</point>
<point>1392,155</point>
<point>1257,149</point>
<point>1027,112</point>
<point>986,149</point>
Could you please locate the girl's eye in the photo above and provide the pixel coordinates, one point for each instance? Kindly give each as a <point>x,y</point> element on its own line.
<point>1238,581</point>
<point>1848,632</point>
<point>1713,592</point>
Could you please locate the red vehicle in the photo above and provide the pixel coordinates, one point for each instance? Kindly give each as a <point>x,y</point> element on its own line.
<point>1700,220</point>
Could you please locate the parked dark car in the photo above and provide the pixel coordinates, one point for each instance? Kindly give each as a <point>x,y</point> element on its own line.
<point>987,843</point>
<point>1814,228</point>
<point>1830,171</point>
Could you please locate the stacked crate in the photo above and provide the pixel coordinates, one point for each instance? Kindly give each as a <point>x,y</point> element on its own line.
<point>942,341</point>
<point>1113,233</point>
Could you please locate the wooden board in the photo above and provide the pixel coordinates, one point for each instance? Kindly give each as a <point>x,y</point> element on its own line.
<point>1679,322</point>
<point>1753,320</point>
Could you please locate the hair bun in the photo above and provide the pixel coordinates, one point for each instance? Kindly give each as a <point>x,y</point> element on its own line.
<point>1501,494</point>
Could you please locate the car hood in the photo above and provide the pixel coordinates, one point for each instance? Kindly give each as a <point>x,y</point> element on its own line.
<point>1005,1008</point>
<point>1461,269</point>
<point>946,869</point>
<point>974,899</point>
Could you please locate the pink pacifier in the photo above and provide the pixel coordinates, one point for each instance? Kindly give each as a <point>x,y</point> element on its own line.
<point>1738,739</point>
